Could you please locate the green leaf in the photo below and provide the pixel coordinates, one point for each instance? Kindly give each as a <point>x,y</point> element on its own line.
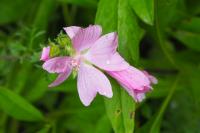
<point>185,104</point>
<point>18,107</point>
<point>191,25</point>
<point>114,109</point>
<point>162,88</point>
<point>193,6</point>
<point>22,74</point>
<point>128,111</point>
<point>120,18</point>
<point>103,125</point>
<point>129,36</point>
<point>38,89</point>
<point>166,9</point>
<point>44,12</point>
<point>45,129</point>
<point>121,110</point>
<point>41,21</point>
<point>129,32</point>
<point>70,85</point>
<point>194,77</point>
<point>84,3</point>
<point>155,127</point>
<point>109,9</point>
<point>8,10</point>
<point>144,9</point>
<point>160,24</point>
<point>189,39</point>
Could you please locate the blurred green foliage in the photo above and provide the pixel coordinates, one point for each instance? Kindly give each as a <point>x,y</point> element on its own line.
<point>161,36</point>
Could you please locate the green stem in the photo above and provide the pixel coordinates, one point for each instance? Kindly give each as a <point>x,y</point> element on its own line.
<point>164,105</point>
<point>69,15</point>
<point>67,18</point>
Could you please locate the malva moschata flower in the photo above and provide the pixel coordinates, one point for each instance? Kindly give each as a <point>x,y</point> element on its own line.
<point>90,53</point>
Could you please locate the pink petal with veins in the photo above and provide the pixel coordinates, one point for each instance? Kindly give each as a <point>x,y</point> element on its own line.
<point>131,77</point>
<point>61,78</point>
<point>104,55</point>
<point>134,81</point>
<point>57,64</point>
<point>91,81</point>
<point>86,37</point>
<point>72,30</point>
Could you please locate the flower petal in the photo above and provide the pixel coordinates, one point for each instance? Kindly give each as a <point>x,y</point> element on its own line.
<point>45,53</point>
<point>109,63</point>
<point>151,78</point>
<point>57,64</point>
<point>61,78</point>
<point>91,81</point>
<point>103,54</point>
<point>134,81</point>
<point>72,30</point>
<point>106,44</point>
<point>139,97</point>
<point>131,78</point>
<point>85,38</point>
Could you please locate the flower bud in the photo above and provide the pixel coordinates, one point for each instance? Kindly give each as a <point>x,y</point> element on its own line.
<point>63,40</point>
<point>54,50</point>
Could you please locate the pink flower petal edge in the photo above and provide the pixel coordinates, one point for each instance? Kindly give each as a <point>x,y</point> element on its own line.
<point>45,54</point>
<point>61,78</point>
<point>104,55</point>
<point>72,30</point>
<point>134,81</point>
<point>86,37</point>
<point>91,81</point>
<point>57,64</point>
<point>151,78</point>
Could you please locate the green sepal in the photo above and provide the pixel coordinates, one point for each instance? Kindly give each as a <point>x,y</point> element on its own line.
<point>63,40</point>
<point>74,74</point>
<point>54,50</point>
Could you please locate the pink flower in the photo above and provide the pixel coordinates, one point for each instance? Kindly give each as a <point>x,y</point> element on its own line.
<point>45,53</point>
<point>93,51</point>
<point>134,81</point>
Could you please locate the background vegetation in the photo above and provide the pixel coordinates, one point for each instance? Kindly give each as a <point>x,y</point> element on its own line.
<point>161,36</point>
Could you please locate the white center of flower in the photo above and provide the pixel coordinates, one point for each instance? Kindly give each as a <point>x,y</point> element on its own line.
<point>74,63</point>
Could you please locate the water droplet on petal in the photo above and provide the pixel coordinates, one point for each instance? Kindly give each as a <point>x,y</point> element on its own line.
<point>107,62</point>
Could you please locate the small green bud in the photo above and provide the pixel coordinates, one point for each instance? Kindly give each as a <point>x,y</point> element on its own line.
<point>63,40</point>
<point>54,50</point>
<point>50,43</point>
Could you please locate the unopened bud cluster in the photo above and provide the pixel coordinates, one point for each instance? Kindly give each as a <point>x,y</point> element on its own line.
<point>60,46</point>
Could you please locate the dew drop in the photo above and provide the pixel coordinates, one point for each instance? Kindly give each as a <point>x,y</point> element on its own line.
<point>108,62</point>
